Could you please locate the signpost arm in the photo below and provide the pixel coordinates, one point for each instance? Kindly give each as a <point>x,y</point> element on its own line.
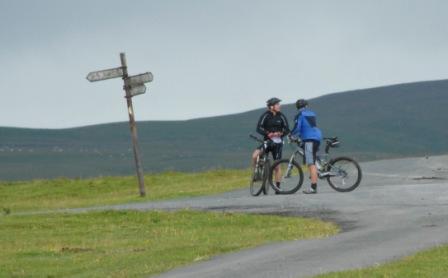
<point>133,127</point>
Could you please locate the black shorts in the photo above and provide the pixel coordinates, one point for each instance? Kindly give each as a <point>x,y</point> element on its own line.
<point>274,148</point>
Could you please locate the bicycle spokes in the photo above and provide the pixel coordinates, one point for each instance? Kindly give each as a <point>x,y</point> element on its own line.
<point>288,172</point>
<point>343,174</point>
<point>286,177</point>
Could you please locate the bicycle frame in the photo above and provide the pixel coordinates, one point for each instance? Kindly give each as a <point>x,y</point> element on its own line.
<point>322,165</point>
<point>333,169</point>
<point>262,155</point>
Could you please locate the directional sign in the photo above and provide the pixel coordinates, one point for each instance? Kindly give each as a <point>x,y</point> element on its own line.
<point>138,90</point>
<point>133,86</point>
<point>105,74</point>
<point>140,79</point>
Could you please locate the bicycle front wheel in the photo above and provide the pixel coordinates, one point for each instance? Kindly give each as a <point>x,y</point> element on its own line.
<point>258,180</point>
<point>344,174</point>
<point>286,177</point>
<point>267,167</point>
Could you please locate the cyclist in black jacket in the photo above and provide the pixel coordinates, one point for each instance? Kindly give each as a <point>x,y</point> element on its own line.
<point>273,125</point>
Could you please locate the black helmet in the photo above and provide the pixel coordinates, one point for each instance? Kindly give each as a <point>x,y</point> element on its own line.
<point>272,101</point>
<point>301,103</point>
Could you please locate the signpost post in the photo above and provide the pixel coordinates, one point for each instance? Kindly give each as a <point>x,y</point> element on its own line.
<point>133,86</point>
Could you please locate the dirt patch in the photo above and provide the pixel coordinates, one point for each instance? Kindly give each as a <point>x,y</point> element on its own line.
<point>442,170</point>
<point>428,178</point>
<point>322,214</point>
<point>75,249</point>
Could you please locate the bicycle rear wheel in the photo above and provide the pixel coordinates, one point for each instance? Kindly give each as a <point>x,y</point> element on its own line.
<point>291,176</point>
<point>344,174</point>
<point>258,180</point>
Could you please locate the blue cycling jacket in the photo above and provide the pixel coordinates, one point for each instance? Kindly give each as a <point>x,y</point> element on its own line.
<point>305,126</point>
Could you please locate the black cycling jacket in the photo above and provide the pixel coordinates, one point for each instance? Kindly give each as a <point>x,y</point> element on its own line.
<point>269,122</point>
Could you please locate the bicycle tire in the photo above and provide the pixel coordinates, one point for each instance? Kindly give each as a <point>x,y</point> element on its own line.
<point>257,188</point>
<point>359,176</point>
<point>267,166</point>
<point>295,184</point>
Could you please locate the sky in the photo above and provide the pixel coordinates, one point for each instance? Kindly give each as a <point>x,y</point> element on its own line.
<point>208,57</point>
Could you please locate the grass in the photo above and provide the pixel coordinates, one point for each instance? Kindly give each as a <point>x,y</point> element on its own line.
<point>68,193</point>
<point>135,244</point>
<point>430,263</point>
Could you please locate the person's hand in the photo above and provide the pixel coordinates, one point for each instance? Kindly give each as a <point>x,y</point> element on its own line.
<point>292,138</point>
<point>274,134</point>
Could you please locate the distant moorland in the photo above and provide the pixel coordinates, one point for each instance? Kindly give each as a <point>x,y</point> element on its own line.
<point>384,122</point>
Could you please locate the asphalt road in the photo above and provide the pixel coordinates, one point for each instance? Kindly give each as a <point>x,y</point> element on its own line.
<point>400,208</point>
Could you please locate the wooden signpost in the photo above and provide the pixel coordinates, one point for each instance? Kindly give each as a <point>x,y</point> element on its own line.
<point>133,86</point>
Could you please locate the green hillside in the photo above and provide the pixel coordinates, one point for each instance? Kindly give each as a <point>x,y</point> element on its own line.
<point>392,121</point>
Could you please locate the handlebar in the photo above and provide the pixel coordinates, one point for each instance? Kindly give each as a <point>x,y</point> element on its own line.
<point>294,140</point>
<point>256,138</point>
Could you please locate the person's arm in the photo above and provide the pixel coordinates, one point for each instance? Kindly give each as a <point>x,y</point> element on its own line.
<point>260,126</point>
<point>286,129</point>
<point>296,130</point>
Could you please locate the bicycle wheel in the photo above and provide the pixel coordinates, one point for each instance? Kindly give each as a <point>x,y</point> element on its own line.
<point>290,176</point>
<point>267,166</point>
<point>258,180</point>
<point>344,174</point>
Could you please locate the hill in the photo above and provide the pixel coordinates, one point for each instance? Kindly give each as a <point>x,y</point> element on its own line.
<point>384,122</point>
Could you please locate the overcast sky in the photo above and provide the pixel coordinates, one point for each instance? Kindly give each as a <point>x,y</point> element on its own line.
<point>208,57</point>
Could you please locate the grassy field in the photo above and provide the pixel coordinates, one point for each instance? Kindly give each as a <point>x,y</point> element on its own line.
<point>69,193</point>
<point>135,244</point>
<point>430,263</point>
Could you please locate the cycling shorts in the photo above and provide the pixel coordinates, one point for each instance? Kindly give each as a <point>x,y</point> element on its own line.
<point>274,148</point>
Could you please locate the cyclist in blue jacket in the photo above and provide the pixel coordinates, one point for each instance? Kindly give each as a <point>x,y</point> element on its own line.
<point>305,128</point>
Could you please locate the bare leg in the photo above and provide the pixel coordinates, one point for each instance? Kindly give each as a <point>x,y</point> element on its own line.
<point>255,156</point>
<point>278,174</point>
<point>313,173</point>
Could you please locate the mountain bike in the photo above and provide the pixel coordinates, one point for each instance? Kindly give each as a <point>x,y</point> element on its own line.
<point>260,173</point>
<point>342,173</point>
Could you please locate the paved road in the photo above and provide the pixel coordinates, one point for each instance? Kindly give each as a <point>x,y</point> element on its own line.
<point>401,207</point>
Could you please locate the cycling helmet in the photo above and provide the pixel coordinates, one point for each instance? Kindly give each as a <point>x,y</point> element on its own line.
<point>272,101</point>
<point>301,103</point>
